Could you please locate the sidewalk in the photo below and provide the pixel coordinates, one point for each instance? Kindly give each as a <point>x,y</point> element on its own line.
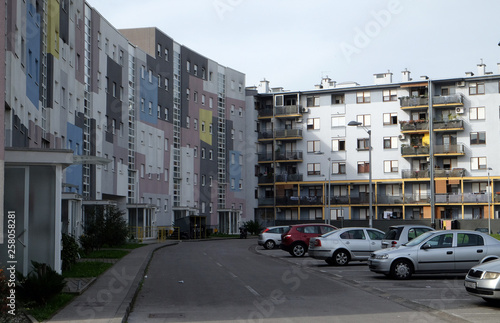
<point>110,296</point>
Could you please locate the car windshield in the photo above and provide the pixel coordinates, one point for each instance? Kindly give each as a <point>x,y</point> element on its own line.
<point>419,239</point>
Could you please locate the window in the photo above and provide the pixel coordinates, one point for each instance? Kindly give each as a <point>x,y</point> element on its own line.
<point>313,101</point>
<point>477,163</point>
<point>313,146</point>
<point>313,123</point>
<point>363,167</point>
<point>203,99</point>
<point>195,69</point>
<point>187,94</point>
<point>240,184</point>
<point>338,121</point>
<point>188,122</point>
<point>338,144</point>
<point>188,66</point>
<point>166,113</point>
<point>195,96</point>
<point>390,118</point>
<point>150,108</point>
<point>390,95</point>
<point>211,154</point>
<point>338,168</point>
<point>158,49</point>
<point>203,153</point>
<point>166,54</point>
<point>142,104</point>
<point>469,240</point>
<point>195,124</point>
<point>363,144</point>
<point>203,73</point>
<point>232,109</point>
<point>478,138</point>
<point>313,169</point>
<point>150,76</point>
<point>211,102</point>
<point>158,112</point>
<point>203,181</point>
<point>476,88</point>
<point>390,142</point>
<point>142,170</point>
<point>143,71</point>
<point>195,151</point>
<point>203,126</point>
<point>365,119</point>
<point>240,112</point>
<point>391,166</point>
<point>363,97</point>
<point>338,98</point>
<point>210,128</point>
<point>166,84</point>
<point>477,113</point>
<point>232,183</point>
<point>159,80</point>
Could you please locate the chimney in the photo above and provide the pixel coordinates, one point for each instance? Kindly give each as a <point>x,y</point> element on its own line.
<point>264,86</point>
<point>383,78</point>
<point>406,75</point>
<point>481,68</point>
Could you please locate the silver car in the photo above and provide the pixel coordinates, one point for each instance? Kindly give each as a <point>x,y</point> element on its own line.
<point>341,246</point>
<point>484,281</point>
<point>271,237</point>
<point>445,251</point>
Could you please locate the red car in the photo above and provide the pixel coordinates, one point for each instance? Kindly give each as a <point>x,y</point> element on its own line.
<point>295,240</point>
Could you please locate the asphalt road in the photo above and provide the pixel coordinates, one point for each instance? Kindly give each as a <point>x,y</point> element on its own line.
<point>238,281</point>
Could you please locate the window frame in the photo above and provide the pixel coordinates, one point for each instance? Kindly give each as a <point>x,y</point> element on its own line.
<point>477,139</point>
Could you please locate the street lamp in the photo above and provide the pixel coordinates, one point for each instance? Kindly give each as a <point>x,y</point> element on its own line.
<point>489,201</point>
<point>370,197</point>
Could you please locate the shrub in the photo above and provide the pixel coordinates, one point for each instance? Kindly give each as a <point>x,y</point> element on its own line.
<point>253,227</point>
<point>41,284</point>
<point>69,252</point>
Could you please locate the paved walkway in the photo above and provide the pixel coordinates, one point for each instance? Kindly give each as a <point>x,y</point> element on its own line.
<point>109,297</point>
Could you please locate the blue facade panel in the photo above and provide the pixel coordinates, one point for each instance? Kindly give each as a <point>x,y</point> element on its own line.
<point>74,173</point>
<point>235,170</point>
<point>148,111</point>
<point>33,62</point>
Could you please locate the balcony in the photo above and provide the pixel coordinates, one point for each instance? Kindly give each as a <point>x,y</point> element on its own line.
<point>282,134</point>
<point>288,156</point>
<point>287,200</point>
<point>414,126</point>
<point>408,173</point>
<point>387,199</point>
<point>266,201</point>
<point>264,157</point>
<point>282,178</point>
<point>475,198</point>
<point>422,198</point>
<point>311,200</point>
<point>448,198</point>
<point>450,125</point>
<point>265,113</point>
<point>413,102</point>
<point>455,172</point>
<point>414,151</point>
<point>265,135</point>
<point>361,199</point>
<point>339,200</point>
<point>288,110</point>
<point>448,100</point>
<point>266,179</point>
<point>447,150</point>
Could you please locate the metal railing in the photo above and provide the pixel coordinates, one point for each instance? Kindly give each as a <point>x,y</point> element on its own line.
<point>450,149</point>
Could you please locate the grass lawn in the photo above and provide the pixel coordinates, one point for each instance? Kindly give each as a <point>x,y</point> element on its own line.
<point>87,269</point>
<point>107,253</point>
<point>42,313</point>
<point>496,236</point>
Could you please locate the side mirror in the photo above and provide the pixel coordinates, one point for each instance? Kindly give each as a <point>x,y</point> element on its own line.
<point>426,246</point>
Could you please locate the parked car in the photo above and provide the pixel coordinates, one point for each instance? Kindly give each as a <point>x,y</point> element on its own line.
<point>271,237</point>
<point>296,239</point>
<point>484,281</point>
<point>348,244</point>
<point>444,251</point>
<point>401,234</point>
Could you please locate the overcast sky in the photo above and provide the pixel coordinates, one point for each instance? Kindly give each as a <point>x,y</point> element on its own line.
<point>293,43</point>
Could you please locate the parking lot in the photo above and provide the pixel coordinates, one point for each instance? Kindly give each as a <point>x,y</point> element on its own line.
<point>443,295</point>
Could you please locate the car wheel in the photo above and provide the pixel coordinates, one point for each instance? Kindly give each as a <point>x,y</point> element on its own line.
<point>269,244</point>
<point>298,250</point>
<point>401,269</point>
<point>340,258</point>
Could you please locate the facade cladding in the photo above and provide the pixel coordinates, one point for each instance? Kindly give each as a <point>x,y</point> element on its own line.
<point>430,156</point>
<point>116,117</point>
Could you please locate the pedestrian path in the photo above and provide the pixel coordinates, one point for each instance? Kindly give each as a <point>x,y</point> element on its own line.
<point>109,297</point>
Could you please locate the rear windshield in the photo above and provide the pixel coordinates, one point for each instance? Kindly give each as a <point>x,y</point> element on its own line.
<point>393,234</point>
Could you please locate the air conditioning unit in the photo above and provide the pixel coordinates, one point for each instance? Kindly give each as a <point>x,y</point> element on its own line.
<point>461,84</point>
<point>402,137</point>
<point>305,110</point>
<point>459,110</point>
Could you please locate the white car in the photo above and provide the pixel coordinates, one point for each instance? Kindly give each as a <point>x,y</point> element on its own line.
<point>400,234</point>
<point>271,237</point>
<point>343,245</point>
<point>484,281</point>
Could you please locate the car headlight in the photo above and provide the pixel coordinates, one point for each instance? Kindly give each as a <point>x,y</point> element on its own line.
<point>382,256</point>
<point>491,275</point>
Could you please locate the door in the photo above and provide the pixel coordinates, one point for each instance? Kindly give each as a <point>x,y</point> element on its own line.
<point>356,242</point>
<point>375,239</point>
<point>469,251</point>
<point>437,254</point>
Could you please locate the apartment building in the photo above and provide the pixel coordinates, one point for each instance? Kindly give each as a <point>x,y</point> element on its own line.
<point>96,116</point>
<point>433,153</point>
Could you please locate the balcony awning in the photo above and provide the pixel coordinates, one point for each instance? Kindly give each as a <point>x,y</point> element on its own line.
<point>95,160</point>
<point>415,84</point>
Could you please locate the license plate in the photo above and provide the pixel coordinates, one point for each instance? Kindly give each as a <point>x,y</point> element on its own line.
<point>470,284</point>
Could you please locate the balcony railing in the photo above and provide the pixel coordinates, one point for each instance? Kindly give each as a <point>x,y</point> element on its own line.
<point>289,155</point>
<point>266,201</point>
<point>417,198</point>
<point>414,125</point>
<point>413,102</point>
<point>289,178</point>
<point>361,199</point>
<point>287,110</point>
<point>266,179</point>
<point>448,198</point>
<point>311,200</point>
<point>265,134</point>
<point>475,198</point>
<point>408,173</point>
<point>414,150</point>
<point>442,125</point>
<point>262,157</point>
<point>339,200</point>
<point>266,112</point>
<point>454,99</point>
<point>458,149</point>
<point>455,172</point>
<point>387,199</point>
<point>288,133</point>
